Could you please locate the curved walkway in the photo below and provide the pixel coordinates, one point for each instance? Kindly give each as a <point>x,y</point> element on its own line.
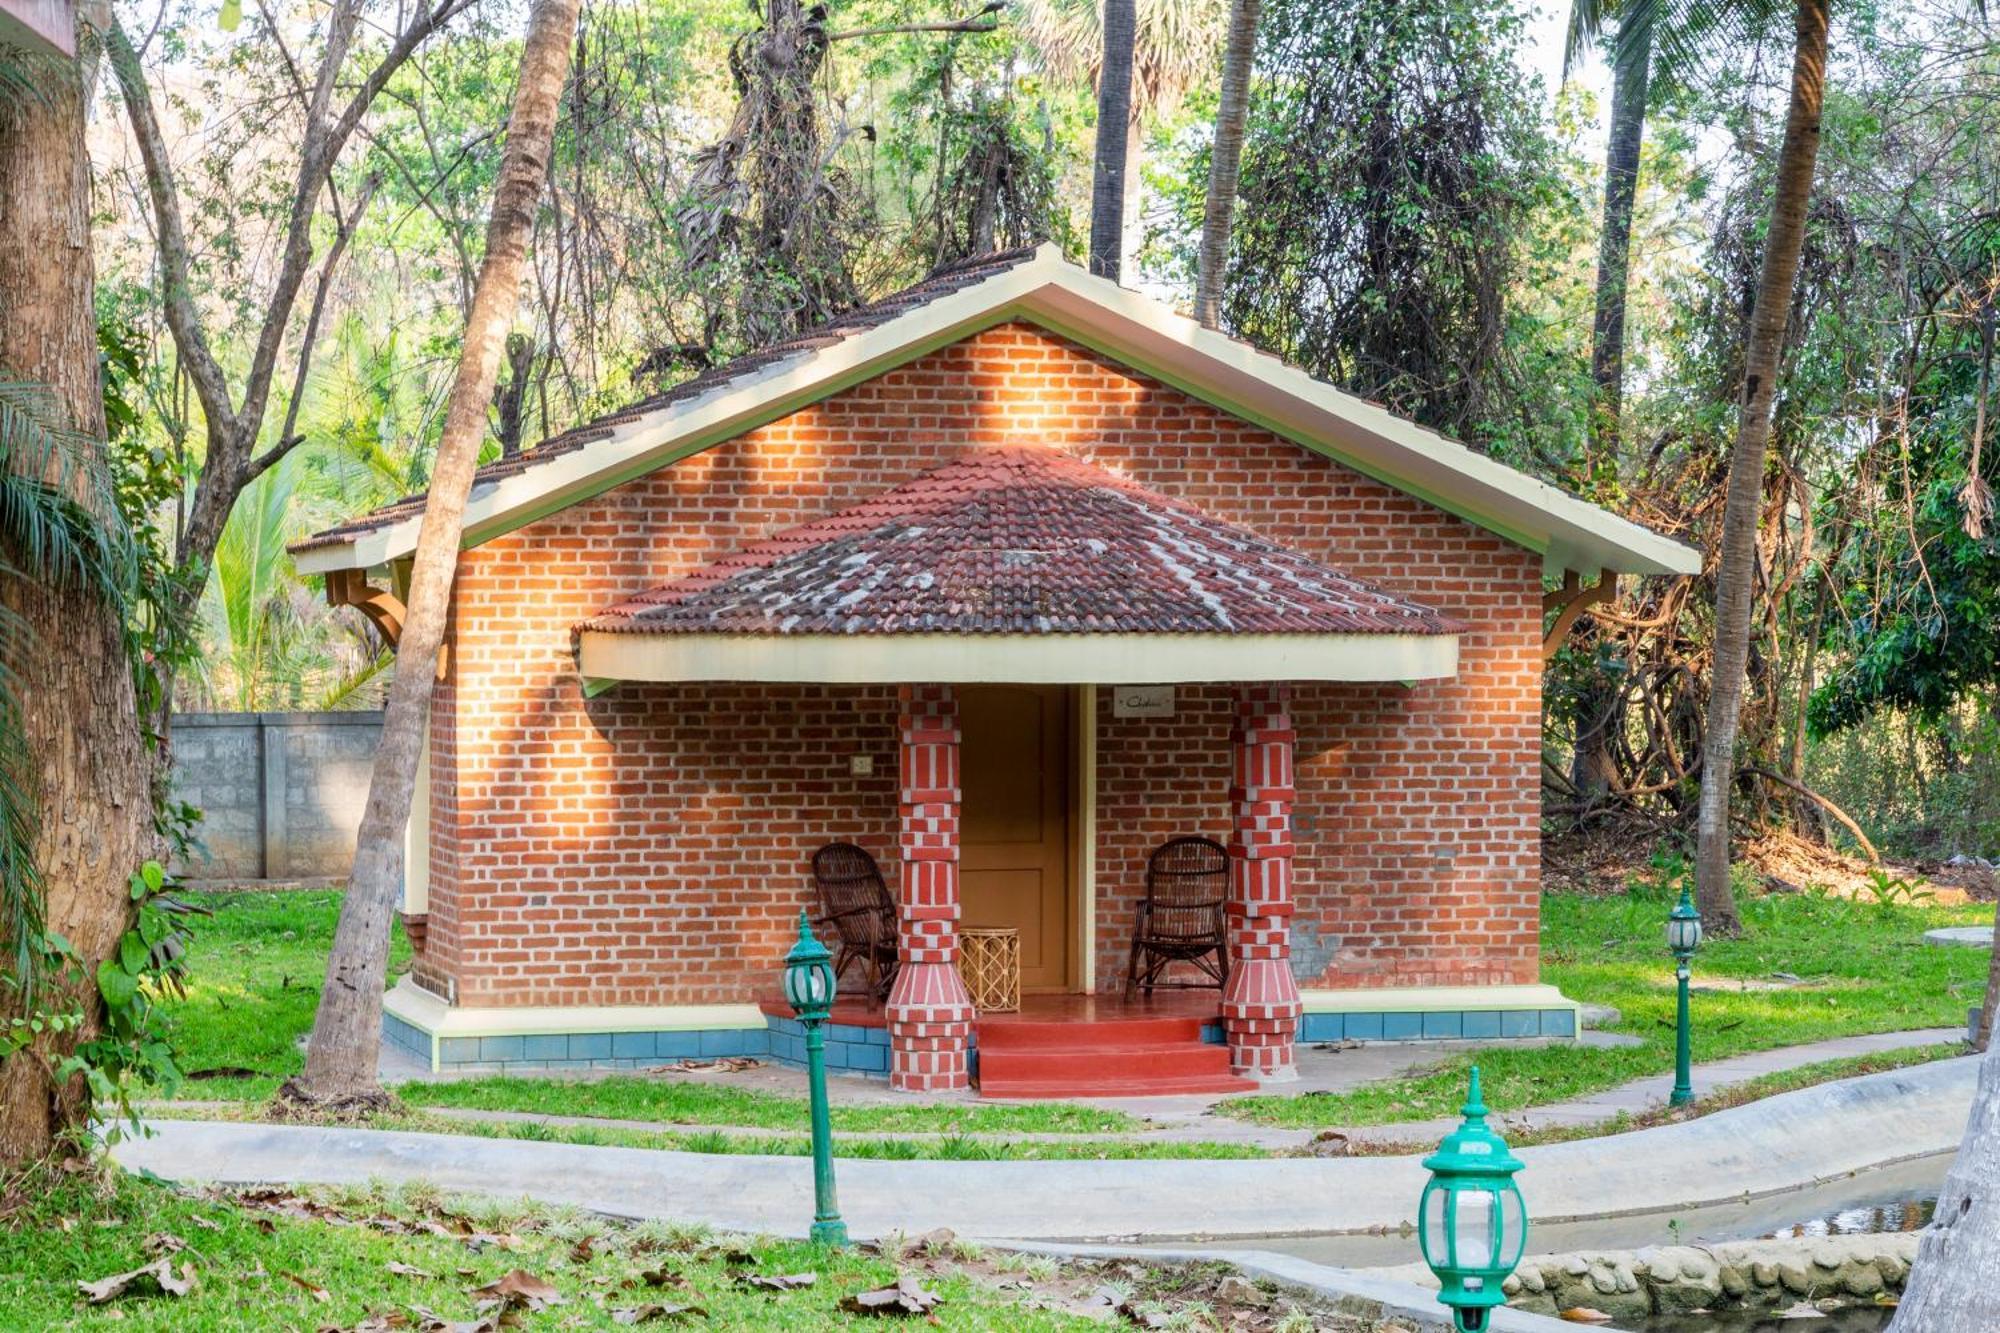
<point>1200,1123</point>
<point>1777,1144</point>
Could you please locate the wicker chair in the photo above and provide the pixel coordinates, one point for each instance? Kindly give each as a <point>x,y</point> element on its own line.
<point>856,902</point>
<point>1181,920</point>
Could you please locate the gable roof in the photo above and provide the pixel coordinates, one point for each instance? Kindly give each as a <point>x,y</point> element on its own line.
<point>1018,541</point>
<point>1036,286</point>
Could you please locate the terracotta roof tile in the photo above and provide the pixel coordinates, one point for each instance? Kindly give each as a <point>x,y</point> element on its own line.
<point>1019,541</point>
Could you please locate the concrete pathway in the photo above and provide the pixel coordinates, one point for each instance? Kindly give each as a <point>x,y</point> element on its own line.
<point>1201,1119</point>
<point>1777,1144</point>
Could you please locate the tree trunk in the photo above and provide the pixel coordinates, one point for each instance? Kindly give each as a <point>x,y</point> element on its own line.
<point>73,680</point>
<point>1982,1036</point>
<point>1225,163</point>
<point>1631,76</point>
<point>347,1031</point>
<point>1736,572</point>
<point>1951,1284</point>
<point>1114,124</point>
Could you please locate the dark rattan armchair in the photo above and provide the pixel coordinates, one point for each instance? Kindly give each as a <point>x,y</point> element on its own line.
<point>856,902</point>
<point>1181,917</point>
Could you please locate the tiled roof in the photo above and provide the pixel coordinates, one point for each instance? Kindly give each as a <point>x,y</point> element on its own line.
<point>1019,541</point>
<point>859,320</point>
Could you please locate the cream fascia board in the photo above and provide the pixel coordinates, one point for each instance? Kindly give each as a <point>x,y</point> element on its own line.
<point>1017,659</point>
<point>1139,331</point>
<point>421,1009</point>
<point>1433,999</point>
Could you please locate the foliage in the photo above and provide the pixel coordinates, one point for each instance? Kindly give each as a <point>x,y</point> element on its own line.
<point>120,1048</point>
<point>1393,160</point>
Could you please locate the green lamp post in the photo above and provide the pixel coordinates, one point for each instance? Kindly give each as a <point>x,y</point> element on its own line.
<point>809,987</point>
<point>1683,937</point>
<point>1474,1226</point>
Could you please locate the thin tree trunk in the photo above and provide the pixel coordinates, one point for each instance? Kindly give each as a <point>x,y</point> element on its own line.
<point>1952,1287</point>
<point>74,682</point>
<point>1225,163</point>
<point>1632,74</point>
<point>1736,575</point>
<point>347,1031</point>
<point>1114,123</point>
<point>1982,1036</point>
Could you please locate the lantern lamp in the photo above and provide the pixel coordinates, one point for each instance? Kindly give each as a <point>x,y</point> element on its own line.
<point>809,982</point>
<point>1473,1223</point>
<point>1683,938</point>
<point>809,988</point>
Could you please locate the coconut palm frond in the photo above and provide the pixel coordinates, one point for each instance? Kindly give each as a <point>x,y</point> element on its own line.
<point>249,582</point>
<point>58,516</point>
<point>1690,38</point>
<point>1586,29</point>
<point>27,77</point>
<point>1177,46</point>
<point>342,692</point>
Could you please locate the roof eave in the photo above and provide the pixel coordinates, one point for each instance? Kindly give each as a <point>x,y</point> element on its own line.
<point>1125,325</point>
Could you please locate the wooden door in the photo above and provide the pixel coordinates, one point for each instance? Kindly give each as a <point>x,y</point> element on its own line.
<point>1014,826</point>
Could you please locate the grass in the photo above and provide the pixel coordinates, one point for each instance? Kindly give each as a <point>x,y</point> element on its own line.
<point>623,1097</point>
<point>320,1259</point>
<point>256,968</point>
<point>1736,1094</point>
<point>1864,968</point>
<point>931,1148</point>
<point>255,974</point>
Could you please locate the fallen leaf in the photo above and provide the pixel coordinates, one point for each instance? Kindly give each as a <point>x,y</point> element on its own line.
<point>584,1249</point>
<point>779,1281</point>
<point>407,1270</point>
<point>652,1311</point>
<point>205,1223</point>
<point>160,1271</point>
<point>661,1277</point>
<point>907,1297</point>
<point>164,1242</point>
<point>312,1289</point>
<point>520,1289</point>
<point>1583,1314</point>
<point>1803,1310</point>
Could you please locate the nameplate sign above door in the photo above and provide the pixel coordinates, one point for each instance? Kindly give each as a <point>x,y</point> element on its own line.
<point>1142,701</point>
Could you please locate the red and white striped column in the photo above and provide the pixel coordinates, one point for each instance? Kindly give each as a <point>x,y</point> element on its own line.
<point>930,1013</point>
<point>1260,1005</point>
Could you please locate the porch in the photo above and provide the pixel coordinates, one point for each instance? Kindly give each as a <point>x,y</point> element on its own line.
<point>1017,577</point>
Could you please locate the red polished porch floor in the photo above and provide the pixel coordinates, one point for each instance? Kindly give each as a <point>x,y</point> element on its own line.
<point>1063,1046</point>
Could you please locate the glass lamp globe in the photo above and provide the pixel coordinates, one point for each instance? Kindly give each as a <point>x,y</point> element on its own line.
<point>1473,1223</point>
<point>809,983</point>
<point>1684,928</point>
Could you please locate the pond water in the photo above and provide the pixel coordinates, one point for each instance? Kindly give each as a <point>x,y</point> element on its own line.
<point>1892,1198</point>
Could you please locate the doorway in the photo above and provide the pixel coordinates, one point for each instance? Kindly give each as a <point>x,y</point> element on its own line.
<point>1015,848</point>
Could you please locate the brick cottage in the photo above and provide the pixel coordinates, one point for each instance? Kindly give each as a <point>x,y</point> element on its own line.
<point>1007,579</point>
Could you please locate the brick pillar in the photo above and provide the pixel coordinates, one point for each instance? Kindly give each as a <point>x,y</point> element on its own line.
<point>930,1013</point>
<point>1260,1005</point>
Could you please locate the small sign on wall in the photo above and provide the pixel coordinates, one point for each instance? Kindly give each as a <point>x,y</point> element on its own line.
<point>1142,701</point>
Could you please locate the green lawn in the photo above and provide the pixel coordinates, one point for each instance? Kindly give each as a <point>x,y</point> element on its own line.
<point>323,1260</point>
<point>1865,968</point>
<point>256,968</point>
<point>254,976</point>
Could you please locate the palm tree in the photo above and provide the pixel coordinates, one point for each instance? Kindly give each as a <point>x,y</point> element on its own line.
<point>1173,49</point>
<point>1225,165</point>
<point>1735,574</point>
<point>1109,192</point>
<point>347,1030</point>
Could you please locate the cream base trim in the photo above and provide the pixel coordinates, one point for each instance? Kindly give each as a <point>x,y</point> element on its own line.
<point>1018,659</point>
<point>425,1011</point>
<point>1434,999</point>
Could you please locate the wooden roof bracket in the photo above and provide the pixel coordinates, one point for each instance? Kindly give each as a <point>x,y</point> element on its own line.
<point>384,610</point>
<point>1569,602</point>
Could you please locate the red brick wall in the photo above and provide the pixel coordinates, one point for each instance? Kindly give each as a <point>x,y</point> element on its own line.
<point>649,846</point>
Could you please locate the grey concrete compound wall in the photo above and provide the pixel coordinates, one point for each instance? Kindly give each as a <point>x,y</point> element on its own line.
<point>280,793</point>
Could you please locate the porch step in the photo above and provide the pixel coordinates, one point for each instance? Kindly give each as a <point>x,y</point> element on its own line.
<point>1138,1057</point>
